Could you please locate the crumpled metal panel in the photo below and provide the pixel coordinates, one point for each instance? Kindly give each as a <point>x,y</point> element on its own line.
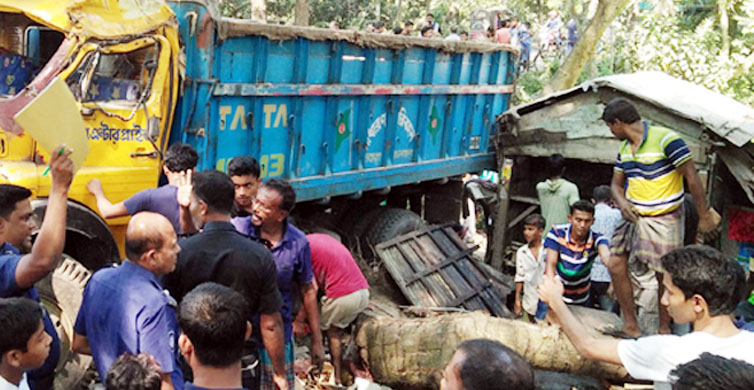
<point>722,115</point>
<point>95,18</point>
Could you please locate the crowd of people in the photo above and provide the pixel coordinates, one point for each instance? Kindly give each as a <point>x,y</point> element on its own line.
<point>206,295</point>
<point>636,230</point>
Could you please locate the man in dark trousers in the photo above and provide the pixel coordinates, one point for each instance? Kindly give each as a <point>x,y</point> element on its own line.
<point>220,254</point>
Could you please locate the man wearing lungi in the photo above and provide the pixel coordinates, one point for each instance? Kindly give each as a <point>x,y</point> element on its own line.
<point>655,161</point>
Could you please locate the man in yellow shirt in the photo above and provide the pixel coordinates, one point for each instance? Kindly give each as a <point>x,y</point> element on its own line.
<point>647,187</point>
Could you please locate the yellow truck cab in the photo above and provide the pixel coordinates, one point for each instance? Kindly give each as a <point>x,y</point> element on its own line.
<point>121,60</point>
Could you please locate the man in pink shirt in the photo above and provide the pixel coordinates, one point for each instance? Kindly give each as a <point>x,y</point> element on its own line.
<point>346,291</point>
<point>503,34</point>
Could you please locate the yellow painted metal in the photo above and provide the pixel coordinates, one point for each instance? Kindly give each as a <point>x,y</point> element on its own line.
<point>117,130</point>
<point>95,18</point>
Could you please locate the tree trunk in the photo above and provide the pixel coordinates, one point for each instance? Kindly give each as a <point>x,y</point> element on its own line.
<point>258,10</point>
<point>722,12</point>
<point>302,13</point>
<point>413,352</point>
<point>569,72</point>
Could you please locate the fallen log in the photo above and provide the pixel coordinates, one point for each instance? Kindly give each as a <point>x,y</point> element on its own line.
<point>412,352</point>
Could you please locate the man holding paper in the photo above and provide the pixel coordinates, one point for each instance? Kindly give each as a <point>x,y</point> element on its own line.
<point>19,272</point>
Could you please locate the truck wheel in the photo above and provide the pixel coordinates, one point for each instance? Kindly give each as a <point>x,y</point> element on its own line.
<point>61,292</point>
<point>390,223</point>
<point>355,225</point>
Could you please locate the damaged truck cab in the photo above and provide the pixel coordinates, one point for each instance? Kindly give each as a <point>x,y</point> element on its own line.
<point>352,120</point>
<point>120,60</point>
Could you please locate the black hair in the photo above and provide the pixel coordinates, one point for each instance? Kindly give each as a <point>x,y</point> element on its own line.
<point>285,190</point>
<point>143,242</point>
<point>527,24</point>
<point>180,157</point>
<point>134,372</point>
<point>379,24</point>
<point>11,194</point>
<point>425,29</point>
<point>583,205</point>
<point>555,165</point>
<point>535,220</point>
<point>430,14</point>
<point>215,189</point>
<point>711,372</point>
<point>244,166</point>
<point>463,32</point>
<point>489,365</point>
<point>213,317</point>
<point>620,109</point>
<point>602,194</point>
<point>398,30</point>
<point>408,23</point>
<point>19,319</point>
<point>702,270</point>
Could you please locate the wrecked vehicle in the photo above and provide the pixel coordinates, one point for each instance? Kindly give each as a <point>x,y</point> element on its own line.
<point>351,119</point>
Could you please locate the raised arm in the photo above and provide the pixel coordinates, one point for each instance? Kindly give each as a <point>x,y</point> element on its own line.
<point>604,350</point>
<point>48,248</point>
<point>106,208</point>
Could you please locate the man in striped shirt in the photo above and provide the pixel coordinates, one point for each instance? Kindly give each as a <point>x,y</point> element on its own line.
<point>571,250</point>
<point>647,187</point>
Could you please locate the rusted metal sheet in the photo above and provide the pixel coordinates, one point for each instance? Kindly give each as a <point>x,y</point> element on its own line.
<point>434,268</point>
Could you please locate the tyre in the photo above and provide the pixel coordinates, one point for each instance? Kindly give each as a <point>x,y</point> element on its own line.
<point>61,293</point>
<point>388,224</point>
<point>355,225</point>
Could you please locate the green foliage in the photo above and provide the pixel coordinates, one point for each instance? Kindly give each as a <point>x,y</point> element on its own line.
<point>681,43</point>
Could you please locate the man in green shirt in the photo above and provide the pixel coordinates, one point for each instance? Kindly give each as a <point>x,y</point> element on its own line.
<point>556,194</point>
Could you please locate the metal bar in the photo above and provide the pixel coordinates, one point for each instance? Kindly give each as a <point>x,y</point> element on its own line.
<point>521,216</point>
<point>344,183</point>
<point>270,89</point>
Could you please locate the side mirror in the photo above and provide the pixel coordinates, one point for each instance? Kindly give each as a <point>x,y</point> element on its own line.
<point>153,128</point>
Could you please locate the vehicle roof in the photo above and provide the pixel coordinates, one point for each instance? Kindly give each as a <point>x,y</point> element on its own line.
<point>722,115</point>
<point>95,18</point>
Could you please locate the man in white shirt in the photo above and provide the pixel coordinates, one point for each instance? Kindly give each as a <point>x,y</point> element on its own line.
<point>530,266</point>
<point>453,36</point>
<point>701,287</point>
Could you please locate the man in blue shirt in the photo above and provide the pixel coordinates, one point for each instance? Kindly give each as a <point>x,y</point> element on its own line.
<point>125,309</point>
<point>180,159</point>
<point>19,272</point>
<point>269,222</point>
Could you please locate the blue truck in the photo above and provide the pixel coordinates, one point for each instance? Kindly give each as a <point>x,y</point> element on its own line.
<point>353,120</point>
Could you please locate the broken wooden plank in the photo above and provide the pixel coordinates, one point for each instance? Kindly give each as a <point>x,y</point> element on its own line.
<point>434,268</point>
